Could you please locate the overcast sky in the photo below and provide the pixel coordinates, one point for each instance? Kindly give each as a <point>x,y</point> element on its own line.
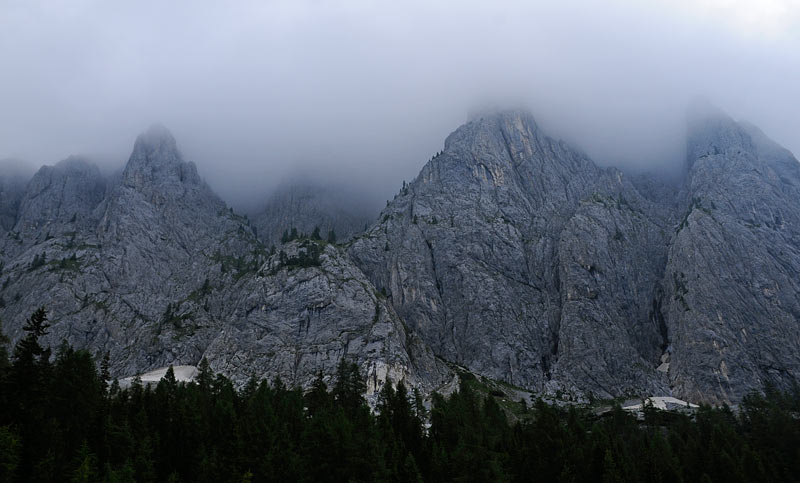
<point>366,91</point>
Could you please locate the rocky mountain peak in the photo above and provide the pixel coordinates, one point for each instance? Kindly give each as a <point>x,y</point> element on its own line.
<point>712,132</point>
<point>503,125</point>
<point>75,169</point>
<point>156,160</point>
<point>14,176</point>
<point>58,197</point>
<point>511,255</point>
<point>157,137</point>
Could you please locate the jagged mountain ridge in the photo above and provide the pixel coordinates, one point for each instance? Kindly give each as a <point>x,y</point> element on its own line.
<point>511,254</point>
<point>494,255</point>
<point>156,270</point>
<point>732,282</point>
<point>516,256</point>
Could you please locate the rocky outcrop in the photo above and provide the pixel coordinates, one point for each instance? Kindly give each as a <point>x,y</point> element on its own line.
<point>511,255</point>
<point>732,282</point>
<point>156,270</point>
<point>307,308</point>
<point>611,257</point>
<point>516,256</point>
<point>60,200</point>
<point>13,180</point>
<point>108,262</point>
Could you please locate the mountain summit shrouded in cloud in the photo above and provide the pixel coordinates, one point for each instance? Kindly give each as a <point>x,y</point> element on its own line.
<point>510,255</point>
<point>363,93</point>
<point>533,252</point>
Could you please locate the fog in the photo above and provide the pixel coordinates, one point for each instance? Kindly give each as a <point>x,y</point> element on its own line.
<point>363,93</point>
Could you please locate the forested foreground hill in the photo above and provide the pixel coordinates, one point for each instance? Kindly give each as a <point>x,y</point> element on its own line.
<point>63,419</point>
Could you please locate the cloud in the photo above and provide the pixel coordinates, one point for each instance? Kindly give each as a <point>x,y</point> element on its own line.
<point>364,92</point>
<point>770,20</point>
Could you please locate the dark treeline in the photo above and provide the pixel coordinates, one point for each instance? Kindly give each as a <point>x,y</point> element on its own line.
<point>61,419</point>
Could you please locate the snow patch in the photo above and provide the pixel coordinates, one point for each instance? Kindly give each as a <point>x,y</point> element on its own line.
<point>663,403</point>
<point>182,374</point>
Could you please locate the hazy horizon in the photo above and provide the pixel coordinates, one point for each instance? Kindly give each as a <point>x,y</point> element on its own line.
<point>362,95</point>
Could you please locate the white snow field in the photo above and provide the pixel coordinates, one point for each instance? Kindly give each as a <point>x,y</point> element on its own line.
<point>659,402</point>
<point>182,374</point>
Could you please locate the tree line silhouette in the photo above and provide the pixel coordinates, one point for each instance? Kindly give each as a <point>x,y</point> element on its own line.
<point>62,418</point>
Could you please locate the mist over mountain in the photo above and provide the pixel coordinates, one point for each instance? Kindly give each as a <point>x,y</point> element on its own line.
<point>363,94</point>
<point>511,255</point>
<point>334,212</point>
<point>406,241</point>
<point>513,190</point>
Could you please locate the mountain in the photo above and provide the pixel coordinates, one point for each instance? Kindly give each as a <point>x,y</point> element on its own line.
<point>14,177</point>
<point>155,269</point>
<point>516,256</point>
<point>732,284</point>
<point>59,199</point>
<point>306,308</point>
<point>512,256</point>
<point>306,206</point>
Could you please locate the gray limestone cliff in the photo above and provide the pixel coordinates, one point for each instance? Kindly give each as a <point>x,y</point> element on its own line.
<point>13,180</point>
<point>516,256</point>
<point>305,309</point>
<point>156,270</point>
<point>511,255</point>
<point>732,282</point>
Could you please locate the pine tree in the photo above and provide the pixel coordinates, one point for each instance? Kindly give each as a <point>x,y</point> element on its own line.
<point>10,448</point>
<point>85,466</point>
<point>169,377</point>
<point>205,376</point>
<point>105,370</point>
<point>29,377</point>
<point>318,399</point>
<point>315,234</point>
<point>331,236</point>
<point>611,473</point>
<point>350,386</point>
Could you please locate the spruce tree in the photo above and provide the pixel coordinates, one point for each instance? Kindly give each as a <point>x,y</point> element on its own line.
<point>105,370</point>
<point>205,376</point>
<point>350,386</point>
<point>29,378</point>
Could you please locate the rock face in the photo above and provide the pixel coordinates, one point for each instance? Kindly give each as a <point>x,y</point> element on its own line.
<point>511,255</point>
<point>13,179</point>
<point>296,319</point>
<point>156,270</point>
<point>307,206</point>
<point>516,256</point>
<point>59,199</point>
<point>732,282</point>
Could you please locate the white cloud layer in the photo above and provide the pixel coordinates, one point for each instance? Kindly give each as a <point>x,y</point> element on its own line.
<point>366,91</point>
